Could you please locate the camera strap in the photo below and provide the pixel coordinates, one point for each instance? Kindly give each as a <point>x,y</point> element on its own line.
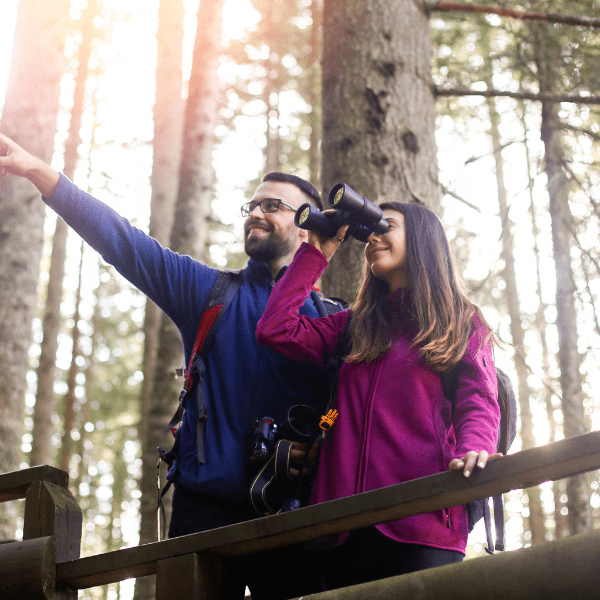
<point>270,487</point>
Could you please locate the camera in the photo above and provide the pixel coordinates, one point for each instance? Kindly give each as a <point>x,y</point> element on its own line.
<point>362,216</point>
<point>273,489</point>
<point>301,425</point>
<point>265,432</point>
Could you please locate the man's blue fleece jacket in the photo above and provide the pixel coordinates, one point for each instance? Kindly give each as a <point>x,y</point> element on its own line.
<point>243,381</point>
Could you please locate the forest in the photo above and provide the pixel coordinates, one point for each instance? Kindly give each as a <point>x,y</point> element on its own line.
<point>170,111</point>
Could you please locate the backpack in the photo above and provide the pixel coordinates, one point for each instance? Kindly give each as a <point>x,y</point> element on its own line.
<point>219,298</point>
<point>507,432</point>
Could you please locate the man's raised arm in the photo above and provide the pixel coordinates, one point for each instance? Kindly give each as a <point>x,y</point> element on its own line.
<point>16,161</point>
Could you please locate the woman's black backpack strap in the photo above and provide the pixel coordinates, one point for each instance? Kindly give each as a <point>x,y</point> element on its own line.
<point>506,434</point>
<point>327,306</point>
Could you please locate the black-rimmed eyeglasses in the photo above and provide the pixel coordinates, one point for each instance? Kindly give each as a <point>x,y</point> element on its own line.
<point>268,205</point>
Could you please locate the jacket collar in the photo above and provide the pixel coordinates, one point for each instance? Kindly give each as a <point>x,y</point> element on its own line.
<point>259,272</point>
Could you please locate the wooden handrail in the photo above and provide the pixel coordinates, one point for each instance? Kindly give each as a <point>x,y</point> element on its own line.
<point>521,470</point>
<point>566,569</point>
<point>14,485</point>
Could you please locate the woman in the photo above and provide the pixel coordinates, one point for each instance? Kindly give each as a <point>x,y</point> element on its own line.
<point>410,323</point>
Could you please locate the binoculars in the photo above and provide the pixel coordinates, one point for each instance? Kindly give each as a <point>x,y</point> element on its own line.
<point>363,217</point>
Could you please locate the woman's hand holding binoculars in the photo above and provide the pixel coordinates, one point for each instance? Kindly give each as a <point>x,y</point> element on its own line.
<point>328,245</point>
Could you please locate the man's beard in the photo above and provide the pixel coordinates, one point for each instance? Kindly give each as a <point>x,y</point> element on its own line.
<point>270,248</point>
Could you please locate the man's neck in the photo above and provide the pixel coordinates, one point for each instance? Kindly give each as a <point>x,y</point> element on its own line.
<point>276,265</point>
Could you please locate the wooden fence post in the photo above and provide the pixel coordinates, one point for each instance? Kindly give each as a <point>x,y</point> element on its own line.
<point>191,576</point>
<point>51,509</point>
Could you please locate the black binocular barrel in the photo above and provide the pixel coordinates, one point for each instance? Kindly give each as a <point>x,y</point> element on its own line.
<point>362,216</point>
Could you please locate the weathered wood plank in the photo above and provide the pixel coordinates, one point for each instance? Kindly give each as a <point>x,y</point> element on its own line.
<point>27,569</point>
<point>51,509</point>
<point>202,579</point>
<point>517,471</point>
<point>14,485</point>
<point>566,569</point>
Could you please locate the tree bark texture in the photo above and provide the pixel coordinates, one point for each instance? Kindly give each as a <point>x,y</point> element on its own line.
<point>196,180</point>
<point>566,315</point>
<point>540,326</point>
<point>29,117</point>
<point>579,515</point>
<point>378,113</point>
<point>168,135</point>
<point>535,522</point>
<point>316,37</point>
<point>188,234</point>
<point>69,417</point>
<point>45,405</point>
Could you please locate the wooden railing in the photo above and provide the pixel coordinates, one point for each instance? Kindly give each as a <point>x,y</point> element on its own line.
<point>51,533</point>
<point>189,566</point>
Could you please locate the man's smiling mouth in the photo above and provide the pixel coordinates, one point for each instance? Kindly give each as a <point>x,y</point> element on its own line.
<point>257,229</point>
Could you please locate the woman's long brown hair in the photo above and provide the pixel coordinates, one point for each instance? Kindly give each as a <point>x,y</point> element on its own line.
<point>442,313</point>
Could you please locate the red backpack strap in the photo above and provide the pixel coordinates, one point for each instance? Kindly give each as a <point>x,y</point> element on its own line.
<point>219,298</point>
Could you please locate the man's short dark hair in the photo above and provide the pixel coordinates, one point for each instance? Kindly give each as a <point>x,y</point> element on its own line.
<point>308,188</point>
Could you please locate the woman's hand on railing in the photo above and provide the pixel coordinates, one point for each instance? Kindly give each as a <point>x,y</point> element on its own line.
<point>470,460</point>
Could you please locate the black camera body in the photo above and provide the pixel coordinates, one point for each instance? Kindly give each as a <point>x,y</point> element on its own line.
<point>265,432</point>
<point>300,425</point>
<point>274,489</point>
<point>362,216</point>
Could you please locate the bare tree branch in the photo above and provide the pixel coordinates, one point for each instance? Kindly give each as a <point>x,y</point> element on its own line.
<point>526,15</point>
<point>445,190</point>
<point>542,97</point>
<point>588,132</point>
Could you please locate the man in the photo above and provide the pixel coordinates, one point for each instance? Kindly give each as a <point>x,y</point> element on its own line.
<point>242,382</point>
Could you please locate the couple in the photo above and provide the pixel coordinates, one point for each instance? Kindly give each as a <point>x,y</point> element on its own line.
<point>410,322</point>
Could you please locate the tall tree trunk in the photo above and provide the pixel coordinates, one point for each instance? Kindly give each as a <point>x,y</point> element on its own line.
<point>168,134</point>
<point>29,117</point>
<point>316,37</point>
<point>193,202</point>
<point>579,512</point>
<point>196,180</point>
<point>66,449</point>
<point>535,521</point>
<point>540,327</point>
<point>578,503</point>
<point>45,405</point>
<point>378,112</point>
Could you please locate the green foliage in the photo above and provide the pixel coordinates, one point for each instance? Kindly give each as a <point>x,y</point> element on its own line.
<point>270,81</point>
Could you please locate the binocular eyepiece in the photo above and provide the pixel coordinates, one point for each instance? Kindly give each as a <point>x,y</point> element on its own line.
<point>362,216</point>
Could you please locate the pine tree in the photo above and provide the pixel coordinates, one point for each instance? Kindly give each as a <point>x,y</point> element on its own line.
<point>29,118</point>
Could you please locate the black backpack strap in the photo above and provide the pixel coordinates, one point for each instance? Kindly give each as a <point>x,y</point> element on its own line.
<point>487,519</point>
<point>333,365</point>
<point>326,306</point>
<point>507,431</point>
<point>499,520</point>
